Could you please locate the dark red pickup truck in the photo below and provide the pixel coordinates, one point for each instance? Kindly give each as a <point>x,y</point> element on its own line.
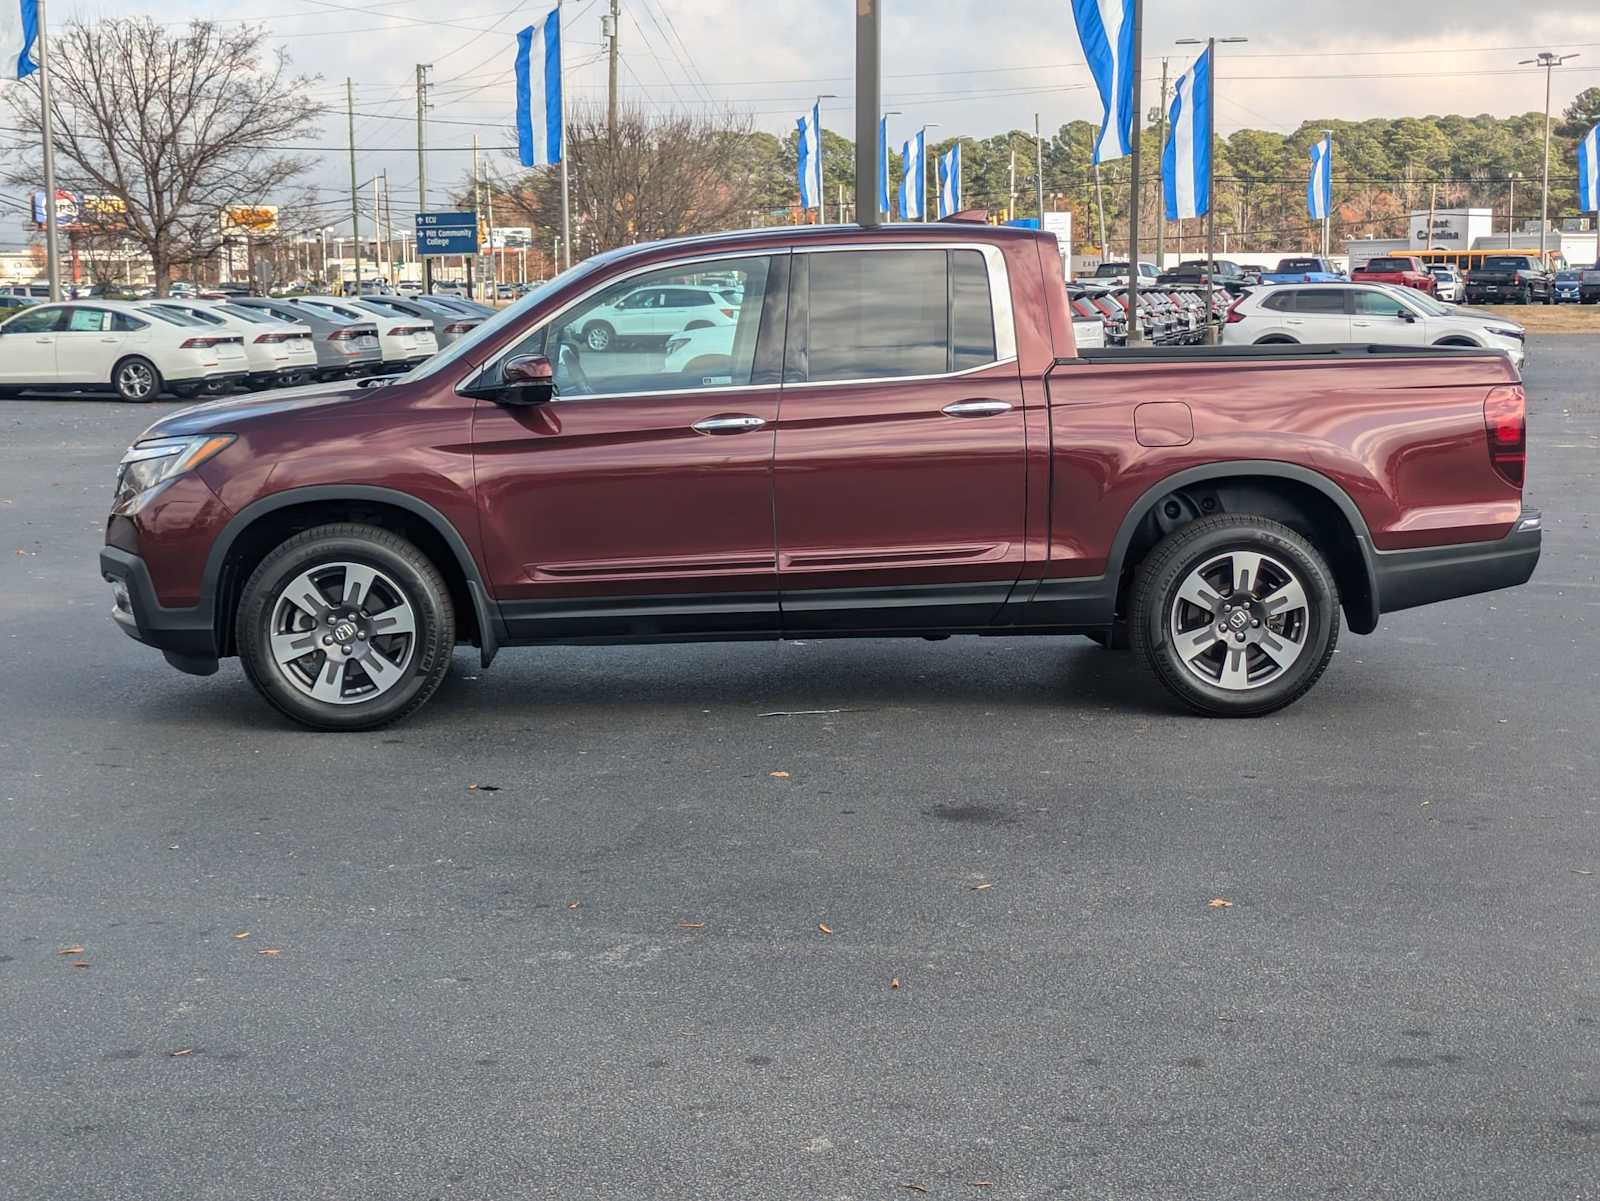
<point>1405,270</point>
<point>869,433</point>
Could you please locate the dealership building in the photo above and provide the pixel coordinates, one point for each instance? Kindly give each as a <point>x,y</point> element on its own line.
<point>1473,229</point>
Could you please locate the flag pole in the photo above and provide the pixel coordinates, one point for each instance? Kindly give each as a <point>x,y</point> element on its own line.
<point>1136,140</point>
<point>1211,189</point>
<point>47,128</point>
<point>1327,216</point>
<point>566,198</point>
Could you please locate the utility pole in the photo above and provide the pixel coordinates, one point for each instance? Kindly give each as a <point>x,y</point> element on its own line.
<point>1011,195</point>
<point>1161,179</point>
<point>47,127</point>
<point>377,225</point>
<point>355,206</point>
<point>422,166</point>
<point>1100,203</point>
<point>1136,140</point>
<point>494,259</point>
<point>388,226</point>
<point>1549,62</point>
<point>1433,204</point>
<point>477,218</point>
<point>1038,149</point>
<point>609,24</point>
<point>869,102</point>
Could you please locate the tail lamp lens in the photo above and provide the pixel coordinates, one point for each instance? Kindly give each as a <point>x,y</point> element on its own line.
<point>1234,315</point>
<point>1505,420</point>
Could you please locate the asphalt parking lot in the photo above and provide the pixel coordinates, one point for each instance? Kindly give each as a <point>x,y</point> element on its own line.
<point>562,934</point>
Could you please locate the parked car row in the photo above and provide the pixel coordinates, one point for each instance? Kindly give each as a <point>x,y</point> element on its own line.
<point>1167,316</point>
<point>1381,314</point>
<point>188,344</point>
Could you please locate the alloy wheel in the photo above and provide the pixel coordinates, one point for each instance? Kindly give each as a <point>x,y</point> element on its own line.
<point>343,633</point>
<point>136,381</point>
<point>1240,620</point>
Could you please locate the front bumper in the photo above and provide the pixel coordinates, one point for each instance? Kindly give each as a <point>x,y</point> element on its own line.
<point>1408,578</point>
<point>187,637</point>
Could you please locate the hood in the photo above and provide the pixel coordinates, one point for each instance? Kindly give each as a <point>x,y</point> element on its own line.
<point>229,414</point>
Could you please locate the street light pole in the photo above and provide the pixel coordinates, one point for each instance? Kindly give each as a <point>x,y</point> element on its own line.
<point>927,176</point>
<point>1511,210</point>
<point>822,161</point>
<point>1549,62</point>
<point>1211,173</point>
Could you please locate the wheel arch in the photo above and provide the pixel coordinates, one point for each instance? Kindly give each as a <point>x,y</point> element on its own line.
<point>1307,501</point>
<point>1458,340</point>
<point>252,533</point>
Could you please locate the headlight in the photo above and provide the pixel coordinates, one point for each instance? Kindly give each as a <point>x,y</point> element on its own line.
<point>1516,335</point>
<point>150,462</point>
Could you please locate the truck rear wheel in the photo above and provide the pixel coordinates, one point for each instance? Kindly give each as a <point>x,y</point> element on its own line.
<point>1237,615</point>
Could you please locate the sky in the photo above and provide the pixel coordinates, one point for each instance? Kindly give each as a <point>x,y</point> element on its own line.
<point>973,66</point>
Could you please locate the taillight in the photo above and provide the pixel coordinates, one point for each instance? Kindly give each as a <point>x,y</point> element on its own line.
<point>727,312</point>
<point>201,343</point>
<point>459,327</point>
<point>272,339</point>
<point>401,331</point>
<point>1505,420</point>
<point>345,335</point>
<point>1234,315</point>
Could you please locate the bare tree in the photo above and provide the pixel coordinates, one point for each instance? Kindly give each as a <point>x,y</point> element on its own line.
<point>177,125</point>
<point>663,176</point>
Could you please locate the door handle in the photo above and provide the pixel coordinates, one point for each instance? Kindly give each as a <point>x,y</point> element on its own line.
<point>1361,324</point>
<point>734,423</point>
<point>976,408</point>
<point>44,341</point>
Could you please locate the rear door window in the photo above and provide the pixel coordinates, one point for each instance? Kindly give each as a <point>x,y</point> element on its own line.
<point>1320,301</point>
<point>893,314</point>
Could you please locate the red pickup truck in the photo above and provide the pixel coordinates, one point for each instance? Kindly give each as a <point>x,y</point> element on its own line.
<point>1406,270</point>
<point>893,434</point>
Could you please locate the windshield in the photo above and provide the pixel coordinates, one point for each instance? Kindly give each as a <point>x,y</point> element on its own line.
<point>170,316</point>
<point>1567,277</point>
<point>330,312</point>
<point>1110,270</point>
<point>1426,304</point>
<point>464,347</point>
<point>1389,265</point>
<point>1507,262</point>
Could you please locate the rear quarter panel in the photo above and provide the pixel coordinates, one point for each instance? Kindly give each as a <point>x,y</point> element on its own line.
<point>1404,438</point>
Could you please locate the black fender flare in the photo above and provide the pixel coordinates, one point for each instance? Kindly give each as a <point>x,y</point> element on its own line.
<point>488,614</point>
<point>1360,613</point>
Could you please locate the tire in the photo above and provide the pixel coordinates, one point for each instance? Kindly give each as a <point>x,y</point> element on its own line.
<point>136,380</point>
<point>598,335</point>
<point>402,586</point>
<point>1285,651</point>
<point>1527,294</point>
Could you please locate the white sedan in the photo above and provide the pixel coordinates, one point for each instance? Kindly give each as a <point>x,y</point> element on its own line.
<point>89,345</point>
<point>404,341</point>
<point>1385,314</point>
<point>657,312</point>
<point>277,353</point>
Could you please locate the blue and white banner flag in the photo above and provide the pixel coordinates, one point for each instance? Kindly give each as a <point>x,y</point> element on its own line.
<point>19,29</point>
<point>1589,172</point>
<point>1319,188</point>
<point>913,176</point>
<point>539,123</point>
<point>1186,159</point>
<point>1105,30</point>
<point>950,181</point>
<point>808,168</point>
<point>883,165</point>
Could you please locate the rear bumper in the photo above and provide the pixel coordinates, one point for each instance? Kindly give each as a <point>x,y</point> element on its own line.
<point>186,636</point>
<point>1408,578</point>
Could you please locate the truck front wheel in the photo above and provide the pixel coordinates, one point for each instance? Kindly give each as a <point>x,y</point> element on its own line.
<point>1237,615</point>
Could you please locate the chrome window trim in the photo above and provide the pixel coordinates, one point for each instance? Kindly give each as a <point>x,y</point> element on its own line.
<point>1005,329</point>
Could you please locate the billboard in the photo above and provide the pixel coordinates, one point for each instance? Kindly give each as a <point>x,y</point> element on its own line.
<point>258,219</point>
<point>77,211</point>
<point>511,237</point>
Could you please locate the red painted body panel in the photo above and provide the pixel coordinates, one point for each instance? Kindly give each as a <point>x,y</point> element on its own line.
<point>1416,277</point>
<point>621,497</point>
<point>849,485</point>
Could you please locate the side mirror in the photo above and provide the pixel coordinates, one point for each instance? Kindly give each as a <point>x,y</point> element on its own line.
<point>1406,315</point>
<point>526,379</point>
